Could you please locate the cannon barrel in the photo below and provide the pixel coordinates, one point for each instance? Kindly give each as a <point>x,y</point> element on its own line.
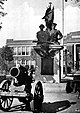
<point>14,71</point>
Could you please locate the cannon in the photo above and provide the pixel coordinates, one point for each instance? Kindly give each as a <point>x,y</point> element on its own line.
<point>14,71</point>
<point>20,76</point>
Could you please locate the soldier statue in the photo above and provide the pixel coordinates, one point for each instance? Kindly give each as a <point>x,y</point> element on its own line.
<point>49,36</point>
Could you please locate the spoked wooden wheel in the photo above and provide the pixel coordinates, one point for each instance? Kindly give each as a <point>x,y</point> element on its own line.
<point>5,102</point>
<point>38,97</point>
<point>5,85</point>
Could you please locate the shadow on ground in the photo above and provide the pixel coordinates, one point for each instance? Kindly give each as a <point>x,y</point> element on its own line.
<point>46,107</point>
<point>56,106</point>
<point>20,107</point>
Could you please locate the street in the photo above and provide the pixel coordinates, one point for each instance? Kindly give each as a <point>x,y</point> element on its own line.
<point>55,100</point>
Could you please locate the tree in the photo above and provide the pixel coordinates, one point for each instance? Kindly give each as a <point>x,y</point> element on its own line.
<point>6,57</point>
<point>2,13</point>
<point>7,53</point>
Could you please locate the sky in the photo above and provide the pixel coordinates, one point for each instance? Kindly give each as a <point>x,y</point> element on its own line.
<point>24,17</point>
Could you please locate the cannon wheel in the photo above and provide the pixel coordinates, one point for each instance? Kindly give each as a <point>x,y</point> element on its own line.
<point>38,97</point>
<point>5,102</point>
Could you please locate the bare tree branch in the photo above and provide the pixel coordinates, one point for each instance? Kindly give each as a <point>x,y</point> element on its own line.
<point>2,13</point>
<point>1,7</point>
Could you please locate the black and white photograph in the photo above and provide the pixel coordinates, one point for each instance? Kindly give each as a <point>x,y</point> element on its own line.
<point>39,56</point>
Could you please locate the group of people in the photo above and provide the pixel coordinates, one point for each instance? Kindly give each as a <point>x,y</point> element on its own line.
<point>46,37</point>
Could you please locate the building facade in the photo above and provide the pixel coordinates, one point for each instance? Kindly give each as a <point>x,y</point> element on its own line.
<point>23,51</point>
<point>72,45</point>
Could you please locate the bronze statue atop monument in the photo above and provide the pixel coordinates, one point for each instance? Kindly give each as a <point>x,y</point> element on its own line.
<point>48,36</point>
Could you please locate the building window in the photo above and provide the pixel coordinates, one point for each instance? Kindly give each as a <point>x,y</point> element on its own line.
<point>29,62</point>
<point>33,63</point>
<point>28,51</point>
<point>26,62</point>
<point>23,61</point>
<point>19,51</point>
<point>23,50</point>
<point>15,51</point>
<point>15,62</point>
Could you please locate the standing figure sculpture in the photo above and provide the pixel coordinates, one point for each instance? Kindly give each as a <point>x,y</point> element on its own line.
<point>43,37</point>
<point>49,16</point>
<point>55,35</point>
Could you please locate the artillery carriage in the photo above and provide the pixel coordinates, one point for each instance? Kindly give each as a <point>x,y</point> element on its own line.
<point>20,76</point>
